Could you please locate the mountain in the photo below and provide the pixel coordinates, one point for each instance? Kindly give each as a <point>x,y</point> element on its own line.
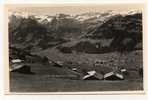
<point>30,33</point>
<point>125,30</point>
<point>44,31</point>
<point>119,32</point>
<point>92,20</point>
<point>65,25</point>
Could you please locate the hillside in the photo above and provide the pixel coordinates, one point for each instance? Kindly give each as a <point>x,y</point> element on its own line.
<point>126,31</point>
<point>118,33</point>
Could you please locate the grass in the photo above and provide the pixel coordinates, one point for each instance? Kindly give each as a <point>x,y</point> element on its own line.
<point>36,83</point>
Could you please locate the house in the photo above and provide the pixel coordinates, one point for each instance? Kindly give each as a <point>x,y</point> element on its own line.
<point>16,65</point>
<point>113,76</point>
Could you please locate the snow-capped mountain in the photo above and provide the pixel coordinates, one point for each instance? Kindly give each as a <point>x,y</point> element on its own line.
<point>96,16</point>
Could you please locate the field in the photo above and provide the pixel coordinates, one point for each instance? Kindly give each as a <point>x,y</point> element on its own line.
<point>27,83</point>
<point>47,78</point>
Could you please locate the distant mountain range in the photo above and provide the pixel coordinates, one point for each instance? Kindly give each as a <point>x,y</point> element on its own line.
<point>80,17</point>
<point>44,31</point>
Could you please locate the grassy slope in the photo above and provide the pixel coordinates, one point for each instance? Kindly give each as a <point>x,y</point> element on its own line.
<point>131,60</point>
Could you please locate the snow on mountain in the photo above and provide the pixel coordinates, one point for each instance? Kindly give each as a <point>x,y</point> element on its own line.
<point>43,18</point>
<point>85,16</point>
<point>131,12</point>
<point>19,14</point>
<point>40,18</point>
<point>102,16</point>
<point>90,16</point>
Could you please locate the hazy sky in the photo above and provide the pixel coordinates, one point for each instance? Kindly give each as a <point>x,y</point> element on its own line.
<point>72,9</point>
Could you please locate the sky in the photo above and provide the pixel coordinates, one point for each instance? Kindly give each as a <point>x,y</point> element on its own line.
<point>72,9</point>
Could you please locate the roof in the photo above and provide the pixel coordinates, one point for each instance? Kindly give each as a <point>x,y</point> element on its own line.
<point>123,70</point>
<point>113,74</point>
<point>74,69</point>
<point>86,76</point>
<point>91,72</point>
<point>119,75</point>
<point>108,74</point>
<point>16,66</point>
<point>16,60</point>
<point>93,75</point>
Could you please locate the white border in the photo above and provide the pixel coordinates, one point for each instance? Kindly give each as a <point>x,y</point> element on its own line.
<point>63,97</point>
